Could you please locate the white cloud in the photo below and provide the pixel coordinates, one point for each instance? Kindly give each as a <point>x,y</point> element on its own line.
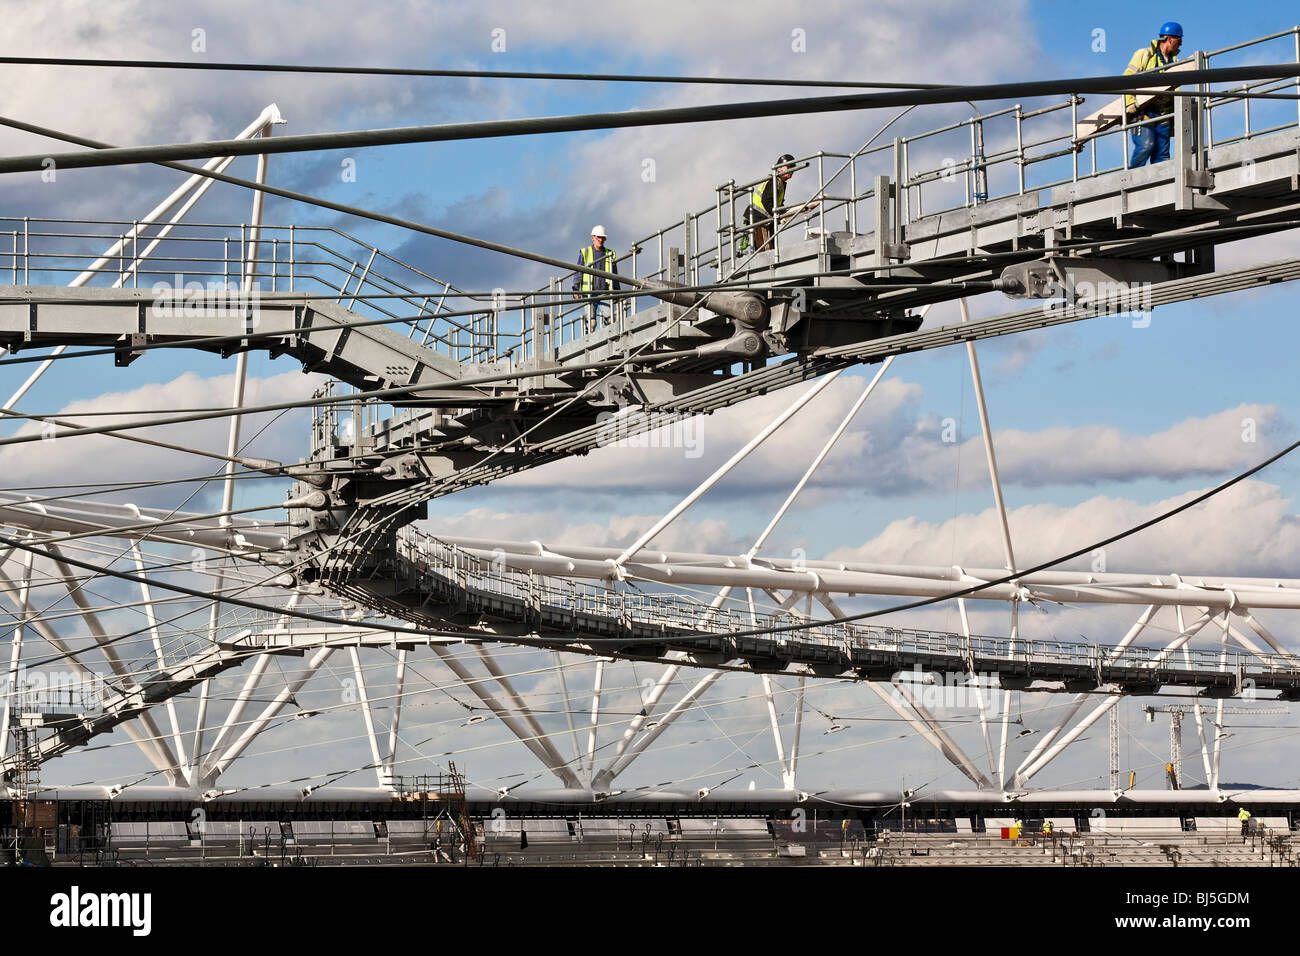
<point>895,446</point>
<point>1251,529</point>
<point>555,527</point>
<point>70,459</point>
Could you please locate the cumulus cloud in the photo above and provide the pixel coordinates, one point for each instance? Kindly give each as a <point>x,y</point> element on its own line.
<point>283,438</point>
<point>553,527</point>
<point>1251,529</point>
<point>895,447</point>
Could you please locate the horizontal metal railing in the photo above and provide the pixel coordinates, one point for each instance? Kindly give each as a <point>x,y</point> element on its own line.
<point>319,261</point>
<point>983,158</point>
<point>681,613</point>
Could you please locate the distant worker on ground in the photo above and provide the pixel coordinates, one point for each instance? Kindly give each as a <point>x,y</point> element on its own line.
<point>767,200</point>
<point>596,256</point>
<point>1151,142</point>
<point>1244,816</point>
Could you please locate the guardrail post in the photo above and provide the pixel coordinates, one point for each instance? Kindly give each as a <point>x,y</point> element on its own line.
<point>536,326</point>
<point>1189,171</point>
<point>900,181</point>
<point>688,262</point>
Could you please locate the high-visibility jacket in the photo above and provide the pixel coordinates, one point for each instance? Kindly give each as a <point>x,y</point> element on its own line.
<point>1243,814</point>
<point>586,257</point>
<point>762,199</point>
<point>1149,58</point>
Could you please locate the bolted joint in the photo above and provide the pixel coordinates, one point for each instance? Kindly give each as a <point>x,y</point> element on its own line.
<point>744,344</point>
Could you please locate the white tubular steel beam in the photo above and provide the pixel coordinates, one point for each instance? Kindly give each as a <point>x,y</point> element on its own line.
<point>269,713</point>
<point>529,740</point>
<point>669,675</point>
<point>129,521</point>
<point>1248,644</point>
<point>558,763</point>
<point>568,710</point>
<point>648,705</point>
<point>152,620</point>
<point>1051,753</point>
<point>1200,727</point>
<point>1218,708</point>
<point>269,116</point>
<point>586,558</point>
<point>400,680</point>
<point>251,682</point>
<point>260,664</point>
<point>731,463</point>
<point>16,649</point>
<point>595,721</point>
<point>979,697</point>
<point>199,185</point>
<point>1100,711</point>
<point>780,577</point>
<point>776,733</point>
<point>950,747</point>
<point>798,730</point>
<point>363,698</point>
<point>1147,616</point>
<point>1258,627</point>
<point>825,601</point>
<point>987,432</point>
<point>155,748</point>
<point>1200,712</point>
<point>232,449</point>
<point>821,455</point>
<point>927,732</point>
<point>607,775</point>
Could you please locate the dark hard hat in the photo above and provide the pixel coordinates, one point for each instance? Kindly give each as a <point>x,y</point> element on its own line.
<point>1172,29</point>
<point>785,158</point>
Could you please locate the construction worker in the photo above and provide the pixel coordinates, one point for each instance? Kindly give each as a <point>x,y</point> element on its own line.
<point>1244,816</point>
<point>766,199</point>
<point>1151,142</point>
<point>1047,829</point>
<point>596,256</point>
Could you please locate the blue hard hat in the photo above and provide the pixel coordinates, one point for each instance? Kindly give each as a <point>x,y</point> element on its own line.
<point>1172,29</point>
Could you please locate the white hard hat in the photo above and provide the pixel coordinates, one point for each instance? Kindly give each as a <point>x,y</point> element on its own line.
<point>598,231</point>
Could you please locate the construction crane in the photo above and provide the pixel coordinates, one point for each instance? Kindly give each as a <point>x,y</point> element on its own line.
<point>1174,769</point>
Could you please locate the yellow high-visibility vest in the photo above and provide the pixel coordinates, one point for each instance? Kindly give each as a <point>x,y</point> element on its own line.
<point>1148,59</point>
<point>607,264</point>
<point>758,196</point>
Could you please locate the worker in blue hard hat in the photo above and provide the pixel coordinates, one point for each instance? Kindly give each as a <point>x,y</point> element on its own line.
<point>1151,141</point>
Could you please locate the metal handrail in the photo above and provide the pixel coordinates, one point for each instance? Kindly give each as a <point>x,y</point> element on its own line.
<point>667,609</point>
<point>1001,153</point>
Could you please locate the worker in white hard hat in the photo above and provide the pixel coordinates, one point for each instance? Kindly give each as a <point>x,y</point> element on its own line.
<point>596,256</point>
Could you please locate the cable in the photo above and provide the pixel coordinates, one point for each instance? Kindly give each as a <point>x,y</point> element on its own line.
<point>311,142</point>
<point>1199,499</point>
<point>1093,245</point>
<point>469,74</point>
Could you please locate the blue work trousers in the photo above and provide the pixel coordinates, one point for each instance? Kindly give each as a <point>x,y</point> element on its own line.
<point>1150,144</point>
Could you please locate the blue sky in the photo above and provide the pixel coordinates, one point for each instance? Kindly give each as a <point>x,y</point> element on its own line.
<point>1190,369</point>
